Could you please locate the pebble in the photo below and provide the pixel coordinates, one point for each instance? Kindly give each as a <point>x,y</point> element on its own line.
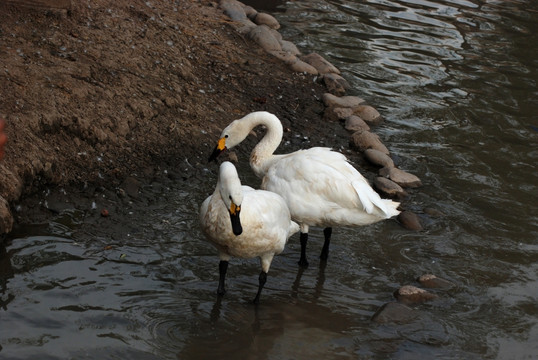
<point>320,63</point>
<point>433,212</point>
<point>290,47</point>
<point>379,158</point>
<point>410,220</point>
<point>369,114</point>
<point>331,100</point>
<point>335,84</point>
<point>355,123</point>
<point>363,140</point>
<point>233,9</point>
<point>389,187</point>
<point>262,36</point>
<point>432,281</point>
<point>409,294</point>
<point>394,312</point>
<point>266,19</point>
<point>300,66</point>
<point>337,113</point>
<point>400,177</point>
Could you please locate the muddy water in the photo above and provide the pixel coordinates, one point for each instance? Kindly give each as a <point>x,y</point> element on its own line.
<point>456,83</point>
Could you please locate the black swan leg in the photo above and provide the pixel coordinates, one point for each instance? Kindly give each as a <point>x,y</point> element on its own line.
<point>302,261</point>
<point>325,250</point>
<point>223,267</point>
<point>262,279</point>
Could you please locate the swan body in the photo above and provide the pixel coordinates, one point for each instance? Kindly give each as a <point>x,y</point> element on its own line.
<point>320,186</point>
<point>246,223</point>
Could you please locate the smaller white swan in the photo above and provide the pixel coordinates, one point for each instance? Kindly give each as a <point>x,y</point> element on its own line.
<point>319,185</point>
<point>246,223</point>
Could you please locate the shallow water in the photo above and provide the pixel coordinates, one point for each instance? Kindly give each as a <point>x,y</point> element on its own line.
<point>456,83</point>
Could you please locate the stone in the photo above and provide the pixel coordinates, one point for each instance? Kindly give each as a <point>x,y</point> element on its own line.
<point>369,114</point>
<point>410,220</point>
<point>409,294</point>
<point>355,123</point>
<point>362,140</point>
<point>379,158</point>
<point>336,113</point>
<point>331,100</point>
<point>262,36</point>
<point>320,63</point>
<point>249,11</point>
<point>394,312</point>
<point>389,187</point>
<point>335,84</point>
<point>284,56</point>
<point>290,47</point>
<point>302,67</point>
<point>432,281</point>
<point>266,19</point>
<point>131,185</point>
<point>433,212</point>
<point>400,177</point>
<point>233,9</point>
<point>245,26</point>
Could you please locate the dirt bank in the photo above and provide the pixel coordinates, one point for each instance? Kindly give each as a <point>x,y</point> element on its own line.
<point>110,91</point>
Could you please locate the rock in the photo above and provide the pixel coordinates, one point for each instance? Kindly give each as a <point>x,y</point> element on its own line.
<point>335,84</point>
<point>389,187</point>
<point>400,177</point>
<point>369,114</point>
<point>379,158</point>
<point>262,36</point>
<point>290,47</point>
<point>246,26</point>
<point>302,67</point>
<point>266,19</point>
<point>336,113</point>
<point>249,11</point>
<point>363,140</point>
<point>233,9</point>
<point>409,294</point>
<point>355,123</point>
<point>433,212</point>
<point>331,100</point>
<point>322,65</point>
<point>409,220</point>
<point>284,56</point>
<point>6,218</point>
<point>131,186</point>
<point>394,312</point>
<point>12,185</point>
<point>432,281</point>
<point>276,35</point>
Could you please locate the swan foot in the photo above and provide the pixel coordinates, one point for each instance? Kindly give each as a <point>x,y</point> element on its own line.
<point>261,279</point>
<point>325,250</point>
<point>304,239</point>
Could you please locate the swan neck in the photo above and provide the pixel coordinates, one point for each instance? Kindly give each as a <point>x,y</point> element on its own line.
<point>262,154</point>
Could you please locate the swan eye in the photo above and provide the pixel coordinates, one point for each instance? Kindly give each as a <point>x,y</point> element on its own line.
<point>226,136</point>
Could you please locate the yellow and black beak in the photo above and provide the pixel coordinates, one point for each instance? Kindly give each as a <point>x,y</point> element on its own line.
<point>221,146</point>
<point>234,217</point>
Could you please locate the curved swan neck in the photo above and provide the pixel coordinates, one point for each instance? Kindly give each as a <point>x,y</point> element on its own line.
<point>262,154</point>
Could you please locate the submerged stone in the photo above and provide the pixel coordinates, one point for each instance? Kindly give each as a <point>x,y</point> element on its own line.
<point>394,312</point>
<point>432,281</point>
<point>410,294</point>
<point>410,220</point>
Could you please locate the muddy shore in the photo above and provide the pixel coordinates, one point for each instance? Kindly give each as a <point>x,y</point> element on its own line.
<point>105,96</point>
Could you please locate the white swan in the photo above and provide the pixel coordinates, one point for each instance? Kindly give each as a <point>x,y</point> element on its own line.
<point>242,222</point>
<point>319,185</point>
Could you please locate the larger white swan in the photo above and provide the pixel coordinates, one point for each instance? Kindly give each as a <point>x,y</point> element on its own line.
<point>319,185</point>
<point>242,222</point>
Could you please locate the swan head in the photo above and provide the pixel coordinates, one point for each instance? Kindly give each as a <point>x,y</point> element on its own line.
<point>232,135</point>
<point>231,194</point>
